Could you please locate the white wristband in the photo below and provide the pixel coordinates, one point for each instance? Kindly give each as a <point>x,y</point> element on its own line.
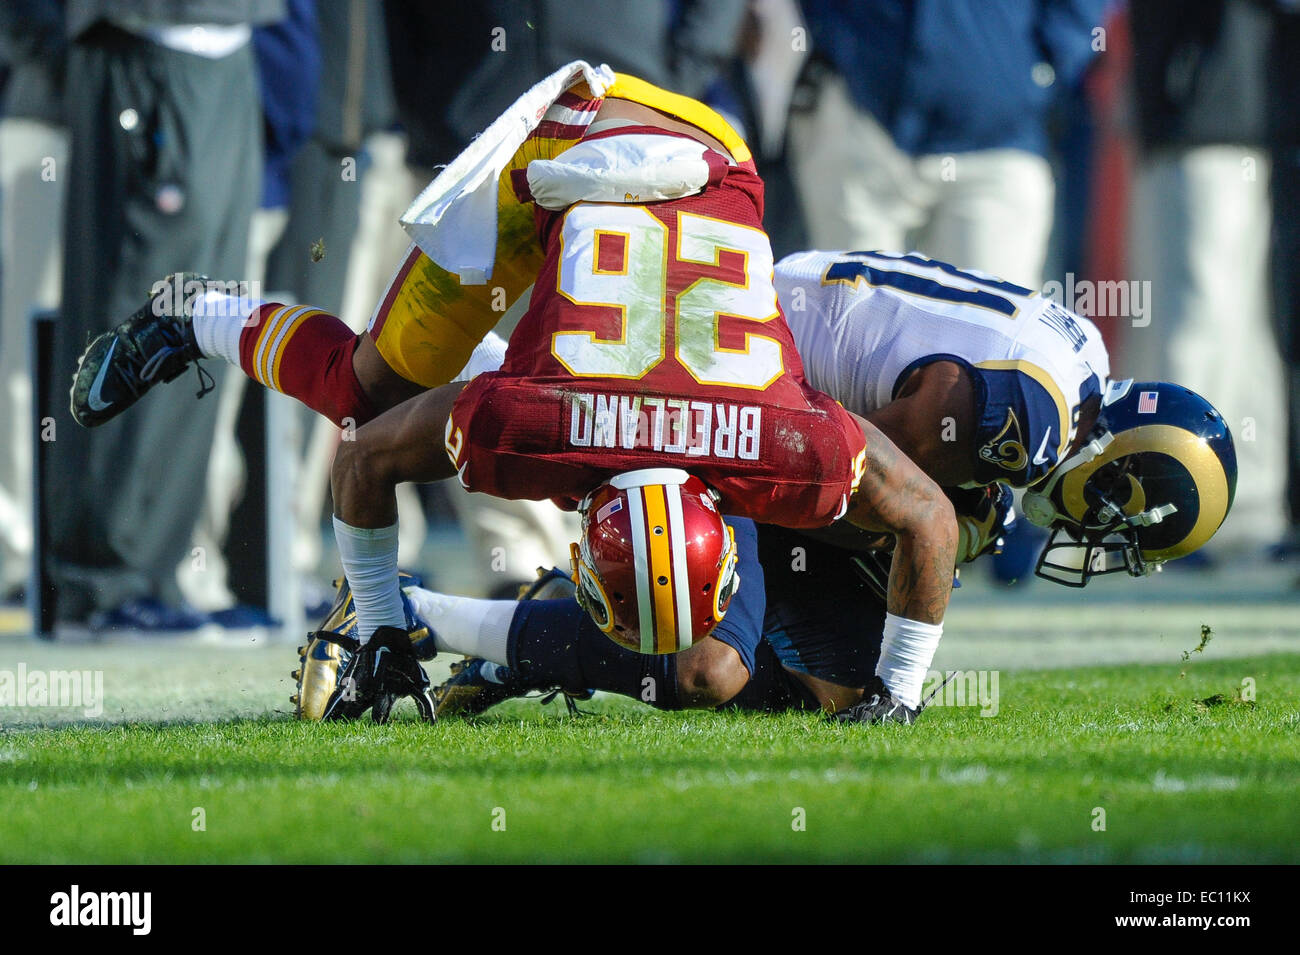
<point>906,651</point>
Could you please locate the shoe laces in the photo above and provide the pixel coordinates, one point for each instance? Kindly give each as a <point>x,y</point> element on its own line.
<point>935,692</point>
<point>149,370</point>
<point>569,702</point>
<point>459,666</point>
<point>138,379</point>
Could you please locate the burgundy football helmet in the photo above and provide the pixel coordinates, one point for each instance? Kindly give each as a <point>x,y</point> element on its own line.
<point>656,566</point>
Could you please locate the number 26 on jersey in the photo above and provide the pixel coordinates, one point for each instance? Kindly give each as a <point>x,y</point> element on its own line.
<point>619,257</point>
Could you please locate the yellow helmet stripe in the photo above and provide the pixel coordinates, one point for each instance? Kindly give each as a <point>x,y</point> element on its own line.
<point>661,568</point>
<point>641,567</point>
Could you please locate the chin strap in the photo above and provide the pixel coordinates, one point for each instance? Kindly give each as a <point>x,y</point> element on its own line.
<point>1153,516</point>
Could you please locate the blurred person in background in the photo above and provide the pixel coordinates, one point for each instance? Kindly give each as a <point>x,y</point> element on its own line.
<point>350,162</point>
<point>1284,137</point>
<point>765,76</point>
<point>922,125</point>
<point>33,171</point>
<point>680,45</point>
<point>355,100</point>
<point>164,118</point>
<point>288,56</point>
<point>1199,232</point>
<point>334,187</point>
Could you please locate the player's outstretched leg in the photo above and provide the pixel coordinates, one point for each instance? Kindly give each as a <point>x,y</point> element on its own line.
<point>297,350</point>
<point>154,345</point>
<point>553,645</point>
<point>521,647</point>
<point>540,644</point>
<point>476,684</point>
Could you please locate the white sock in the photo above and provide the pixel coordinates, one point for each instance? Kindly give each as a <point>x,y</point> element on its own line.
<point>218,322</point>
<point>905,656</point>
<point>465,625</point>
<point>369,557</point>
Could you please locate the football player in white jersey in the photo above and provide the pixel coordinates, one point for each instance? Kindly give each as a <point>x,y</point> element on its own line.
<point>986,386</point>
<point>982,380</point>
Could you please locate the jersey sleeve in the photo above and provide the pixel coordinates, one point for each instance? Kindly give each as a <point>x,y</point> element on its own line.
<point>1023,424</point>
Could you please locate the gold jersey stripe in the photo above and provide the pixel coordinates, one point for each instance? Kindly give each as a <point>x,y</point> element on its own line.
<point>283,345</point>
<point>262,353</point>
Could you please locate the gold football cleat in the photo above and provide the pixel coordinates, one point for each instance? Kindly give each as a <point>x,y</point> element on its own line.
<point>321,661</point>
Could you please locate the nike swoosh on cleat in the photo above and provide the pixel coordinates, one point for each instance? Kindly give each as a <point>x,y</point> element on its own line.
<point>379,656</point>
<point>1039,456</point>
<point>92,399</point>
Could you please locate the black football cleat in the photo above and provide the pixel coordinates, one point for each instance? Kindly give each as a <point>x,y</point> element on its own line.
<point>475,685</point>
<point>154,345</point>
<point>376,676</point>
<point>878,706</point>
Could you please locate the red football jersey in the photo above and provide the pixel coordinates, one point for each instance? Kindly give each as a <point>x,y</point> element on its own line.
<point>653,338</point>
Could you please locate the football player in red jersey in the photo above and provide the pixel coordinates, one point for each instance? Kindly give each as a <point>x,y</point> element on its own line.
<point>653,339</point>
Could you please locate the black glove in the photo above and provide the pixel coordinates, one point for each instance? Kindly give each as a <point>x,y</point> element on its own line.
<point>377,675</point>
<point>984,517</point>
<point>878,706</point>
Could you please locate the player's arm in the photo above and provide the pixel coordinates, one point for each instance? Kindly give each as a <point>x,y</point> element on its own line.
<point>896,496</point>
<point>932,421</point>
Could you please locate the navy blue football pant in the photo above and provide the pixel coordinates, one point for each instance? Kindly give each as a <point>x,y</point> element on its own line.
<point>800,606</point>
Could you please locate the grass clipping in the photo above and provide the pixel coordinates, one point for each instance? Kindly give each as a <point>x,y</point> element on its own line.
<point>1208,703</point>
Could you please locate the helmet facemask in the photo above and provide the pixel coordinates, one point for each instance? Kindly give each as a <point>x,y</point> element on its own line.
<point>589,591</point>
<point>728,580</point>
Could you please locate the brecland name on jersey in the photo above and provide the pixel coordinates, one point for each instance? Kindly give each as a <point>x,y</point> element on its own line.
<point>673,425</point>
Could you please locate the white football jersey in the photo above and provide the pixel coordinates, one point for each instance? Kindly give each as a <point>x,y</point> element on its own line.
<point>863,320</point>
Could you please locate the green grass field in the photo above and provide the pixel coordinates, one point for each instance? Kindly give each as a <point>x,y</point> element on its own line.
<point>1184,771</point>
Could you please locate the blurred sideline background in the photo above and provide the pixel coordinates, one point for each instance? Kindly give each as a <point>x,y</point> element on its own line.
<point>1138,161</point>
